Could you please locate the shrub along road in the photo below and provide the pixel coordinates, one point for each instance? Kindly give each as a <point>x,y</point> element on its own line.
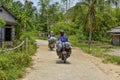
<point>80,66</point>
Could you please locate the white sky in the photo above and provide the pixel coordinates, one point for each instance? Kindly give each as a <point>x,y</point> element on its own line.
<point>36,1</point>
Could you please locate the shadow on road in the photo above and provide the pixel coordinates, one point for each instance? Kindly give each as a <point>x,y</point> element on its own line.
<point>51,50</point>
<point>61,62</point>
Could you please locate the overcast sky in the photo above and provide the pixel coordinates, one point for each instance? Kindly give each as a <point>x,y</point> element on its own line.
<point>36,1</point>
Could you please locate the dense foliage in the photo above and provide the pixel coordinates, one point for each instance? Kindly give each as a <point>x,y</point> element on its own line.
<point>13,63</point>
<point>101,15</point>
<point>94,16</point>
<point>91,18</point>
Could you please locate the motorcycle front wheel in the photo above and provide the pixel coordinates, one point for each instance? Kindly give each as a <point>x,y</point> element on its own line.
<point>64,57</point>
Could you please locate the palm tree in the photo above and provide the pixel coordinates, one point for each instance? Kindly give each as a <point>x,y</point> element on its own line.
<point>26,2</point>
<point>90,19</point>
<point>95,19</point>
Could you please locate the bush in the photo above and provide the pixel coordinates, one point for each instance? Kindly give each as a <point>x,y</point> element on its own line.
<point>69,28</point>
<point>73,39</point>
<point>12,64</point>
<point>31,35</point>
<point>113,59</point>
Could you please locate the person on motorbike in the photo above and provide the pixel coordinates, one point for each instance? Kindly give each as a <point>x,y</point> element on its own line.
<point>49,35</point>
<point>62,39</point>
<point>51,38</point>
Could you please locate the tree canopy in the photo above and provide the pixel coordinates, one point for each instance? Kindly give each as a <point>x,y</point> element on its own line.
<point>89,17</point>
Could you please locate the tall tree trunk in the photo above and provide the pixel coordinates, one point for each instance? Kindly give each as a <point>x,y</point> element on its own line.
<point>90,36</point>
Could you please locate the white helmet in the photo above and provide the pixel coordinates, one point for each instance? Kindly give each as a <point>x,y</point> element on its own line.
<point>51,31</point>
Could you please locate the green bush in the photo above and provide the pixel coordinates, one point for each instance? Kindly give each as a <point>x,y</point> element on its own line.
<point>3,75</point>
<point>113,59</point>
<point>32,49</point>
<point>31,35</point>
<point>69,28</point>
<point>73,39</point>
<point>13,64</point>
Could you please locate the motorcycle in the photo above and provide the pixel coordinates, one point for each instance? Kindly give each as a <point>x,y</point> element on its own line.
<point>51,45</point>
<point>64,56</point>
<point>52,42</point>
<point>64,53</point>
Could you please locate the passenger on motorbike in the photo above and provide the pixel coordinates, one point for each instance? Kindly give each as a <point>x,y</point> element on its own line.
<point>62,43</point>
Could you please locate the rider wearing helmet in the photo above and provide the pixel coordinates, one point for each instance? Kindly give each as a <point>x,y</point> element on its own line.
<point>62,38</point>
<point>51,37</point>
<point>51,34</point>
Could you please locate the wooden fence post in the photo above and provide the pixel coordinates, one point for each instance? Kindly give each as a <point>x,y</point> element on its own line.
<point>26,45</point>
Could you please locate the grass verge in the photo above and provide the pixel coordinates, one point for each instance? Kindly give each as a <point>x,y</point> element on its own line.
<point>99,50</point>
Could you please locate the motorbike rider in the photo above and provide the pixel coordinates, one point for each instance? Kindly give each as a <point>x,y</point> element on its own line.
<point>62,38</point>
<point>51,38</point>
<point>51,33</point>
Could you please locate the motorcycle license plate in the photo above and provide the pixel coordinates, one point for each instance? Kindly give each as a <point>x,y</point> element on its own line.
<point>64,52</point>
<point>51,45</point>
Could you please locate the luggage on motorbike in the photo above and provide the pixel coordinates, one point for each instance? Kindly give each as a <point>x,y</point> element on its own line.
<point>61,45</point>
<point>67,45</point>
<point>52,39</point>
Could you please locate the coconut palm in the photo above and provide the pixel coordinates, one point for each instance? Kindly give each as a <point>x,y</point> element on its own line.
<point>90,18</point>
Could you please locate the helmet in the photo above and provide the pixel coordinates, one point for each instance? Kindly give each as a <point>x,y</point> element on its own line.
<point>51,31</point>
<point>61,31</point>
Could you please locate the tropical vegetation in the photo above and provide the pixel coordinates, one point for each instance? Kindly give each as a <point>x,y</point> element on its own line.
<point>87,20</point>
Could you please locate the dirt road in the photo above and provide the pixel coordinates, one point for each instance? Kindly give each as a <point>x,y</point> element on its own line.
<point>80,66</point>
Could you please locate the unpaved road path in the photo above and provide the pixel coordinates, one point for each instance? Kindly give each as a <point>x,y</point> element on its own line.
<point>80,66</point>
